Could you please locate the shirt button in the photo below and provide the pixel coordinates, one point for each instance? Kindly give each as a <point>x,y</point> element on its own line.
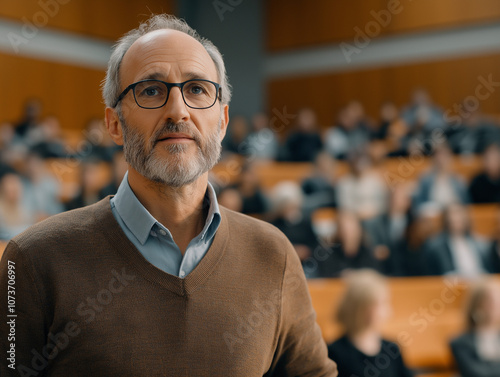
<point>182,273</point>
<point>162,232</point>
<point>153,233</point>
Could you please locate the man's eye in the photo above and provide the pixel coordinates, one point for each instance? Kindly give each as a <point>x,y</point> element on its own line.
<point>151,91</point>
<point>196,89</point>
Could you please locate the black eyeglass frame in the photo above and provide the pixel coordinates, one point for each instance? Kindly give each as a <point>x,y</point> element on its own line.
<point>169,86</point>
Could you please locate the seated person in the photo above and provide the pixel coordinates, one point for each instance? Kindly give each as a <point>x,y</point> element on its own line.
<point>363,190</point>
<point>15,214</point>
<point>440,187</point>
<point>456,250</point>
<point>363,310</point>
<point>387,233</point>
<point>254,200</point>
<point>477,351</point>
<point>349,249</point>
<point>494,253</point>
<point>118,169</point>
<point>90,185</point>
<point>261,143</point>
<point>319,188</point>
<point>304,142</point>
<point>485,187</point>
<point>287,200</point>
<point>234,142</point>
<point>350,133</point>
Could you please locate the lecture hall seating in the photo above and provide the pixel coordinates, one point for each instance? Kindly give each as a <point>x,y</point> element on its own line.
<point>427,313</point>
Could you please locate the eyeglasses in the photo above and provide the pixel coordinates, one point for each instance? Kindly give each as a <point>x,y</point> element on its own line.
<point>153,94</point>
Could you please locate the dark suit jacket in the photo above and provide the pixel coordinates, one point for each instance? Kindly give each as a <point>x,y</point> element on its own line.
<point>439,258</point>
<point>468,360</point>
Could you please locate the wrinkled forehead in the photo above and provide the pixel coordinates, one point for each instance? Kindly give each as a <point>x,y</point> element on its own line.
<point>167,55</point>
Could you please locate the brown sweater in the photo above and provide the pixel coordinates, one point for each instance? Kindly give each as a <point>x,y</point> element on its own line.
<point>89,304</point>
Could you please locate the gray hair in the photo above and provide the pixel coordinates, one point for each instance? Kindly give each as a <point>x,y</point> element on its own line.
<point>111,84</point>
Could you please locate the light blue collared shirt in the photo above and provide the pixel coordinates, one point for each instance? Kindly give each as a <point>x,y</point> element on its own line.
<point>155,241</point>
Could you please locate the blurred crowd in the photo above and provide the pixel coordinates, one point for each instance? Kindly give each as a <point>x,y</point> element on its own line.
<point>385,224</point>
<point>397,226</point>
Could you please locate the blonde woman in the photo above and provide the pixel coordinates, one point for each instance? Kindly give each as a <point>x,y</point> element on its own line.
<point>477,351</point>
<point>363,310</point>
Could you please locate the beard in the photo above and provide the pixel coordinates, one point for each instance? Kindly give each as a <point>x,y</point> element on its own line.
<point>179,169</point>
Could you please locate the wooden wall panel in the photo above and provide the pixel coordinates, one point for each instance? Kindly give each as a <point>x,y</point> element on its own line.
<point>448,82</point>
<point>69,92</point>
<point>104,19</point>
<point>304,23</point>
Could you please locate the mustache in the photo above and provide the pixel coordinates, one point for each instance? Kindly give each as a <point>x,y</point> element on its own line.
<point>171,127</point>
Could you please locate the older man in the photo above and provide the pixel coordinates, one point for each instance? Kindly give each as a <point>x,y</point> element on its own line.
<point>158,280</point>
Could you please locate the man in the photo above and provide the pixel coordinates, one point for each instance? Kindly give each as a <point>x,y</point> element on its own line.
<point>158,280</point>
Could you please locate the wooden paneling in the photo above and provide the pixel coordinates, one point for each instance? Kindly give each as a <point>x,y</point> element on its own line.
<point>304,23</point>
<point>71,93</point>
<point>448,82</point>
<point>105,19</point>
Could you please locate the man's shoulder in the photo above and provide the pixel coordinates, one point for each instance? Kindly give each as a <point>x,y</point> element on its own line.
<point>73,225</point>
<point>265,231</point>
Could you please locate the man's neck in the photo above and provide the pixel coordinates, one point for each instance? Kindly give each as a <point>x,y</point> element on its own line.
<point>179,209</point>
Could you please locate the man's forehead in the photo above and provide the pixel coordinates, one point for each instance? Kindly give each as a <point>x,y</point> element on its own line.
<point>168,46</point>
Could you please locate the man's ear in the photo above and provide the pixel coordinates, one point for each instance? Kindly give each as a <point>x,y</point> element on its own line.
<point>224,121</point>
<point>114,125</point>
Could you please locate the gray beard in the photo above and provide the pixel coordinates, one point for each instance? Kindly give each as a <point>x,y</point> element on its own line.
<point>177,170</point>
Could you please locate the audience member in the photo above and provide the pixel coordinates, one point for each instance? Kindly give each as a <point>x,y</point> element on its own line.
<point>118,169</point>
<point>237,133</point>
<point>230,198</point>
<point>349,248</point>
<point>90,185</point>
<point>389,114</point>
<point>304,142</point>
<point>363,310</point>
<point>363,190</point>
<point>421,112</point>
<point>485,187</point>
<point>456,250</point>
<point>494,253</point>
<point>30,118</point>
<point>477,351</point>
<point>42,189</point>
<point>350,133</point>
<point>287,200</point>
<point>46,139</point>
<point>470,135</point>
<point>319,188</point>
<point>261,142</point>
<point>100,144</point>
<point>387,233</point>
<point>440,187</point>
<point>254,200</point>
<point>15,214</point>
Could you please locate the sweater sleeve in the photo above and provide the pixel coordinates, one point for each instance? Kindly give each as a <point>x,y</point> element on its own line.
<point>22,324</point>
<point>301,350</point>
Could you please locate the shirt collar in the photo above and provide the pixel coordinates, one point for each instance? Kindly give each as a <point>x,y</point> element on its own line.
<point>140,222</point>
